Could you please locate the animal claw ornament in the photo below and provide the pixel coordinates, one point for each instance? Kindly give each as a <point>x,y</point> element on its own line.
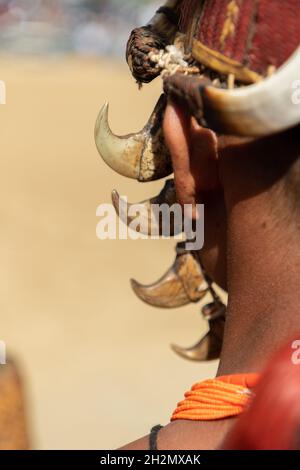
<point>209,347</point>
<point>150,213</point>
<point>182,284</point>
<point>142,156</point>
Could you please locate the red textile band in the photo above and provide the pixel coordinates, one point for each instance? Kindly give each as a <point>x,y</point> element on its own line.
<point>256,33</point>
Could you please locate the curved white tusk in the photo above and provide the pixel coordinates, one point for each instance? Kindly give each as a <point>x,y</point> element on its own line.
<point>150,213</point>
<point>257,110</point>
<point>142,156</point>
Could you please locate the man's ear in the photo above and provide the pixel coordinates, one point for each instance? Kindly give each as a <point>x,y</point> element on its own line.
<point>176,128</point>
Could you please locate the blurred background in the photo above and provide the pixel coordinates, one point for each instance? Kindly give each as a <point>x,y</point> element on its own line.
<point>87,27</point>
<point>95,362</point>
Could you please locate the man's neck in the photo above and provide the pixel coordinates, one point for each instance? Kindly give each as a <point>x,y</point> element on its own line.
<point>263,275</point>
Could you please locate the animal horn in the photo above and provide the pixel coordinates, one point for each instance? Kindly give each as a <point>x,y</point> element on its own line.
<point>150,213</point>
<point>257,110</point>
<point>142,156</point>
<point>209,347</point>
<point>182,284</point>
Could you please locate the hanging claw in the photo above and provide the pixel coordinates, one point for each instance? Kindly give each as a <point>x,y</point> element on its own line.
<point>142,156</point>
<point>210,346</point>
<point>181,285</point>
<point>149,217</point>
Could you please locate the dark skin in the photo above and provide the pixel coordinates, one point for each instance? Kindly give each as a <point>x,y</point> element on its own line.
<point>252,248</point>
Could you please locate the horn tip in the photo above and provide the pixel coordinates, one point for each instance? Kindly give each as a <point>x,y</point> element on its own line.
<point>176,348</point>
<point>115,198</point>
<point>104,109</point>
<point>190,354</point>
<point>115,195</point>
<point>102,114</point>
<point>138,289</point>
<point>135,285</point>
<point>181,352</point>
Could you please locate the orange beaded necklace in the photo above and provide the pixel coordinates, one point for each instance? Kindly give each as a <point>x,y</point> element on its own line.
<point>219,398</point>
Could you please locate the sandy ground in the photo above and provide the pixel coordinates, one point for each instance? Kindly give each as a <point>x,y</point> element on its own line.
<point>96,361</point>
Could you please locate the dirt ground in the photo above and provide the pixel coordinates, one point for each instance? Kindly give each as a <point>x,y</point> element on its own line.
<point>96,361</point>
